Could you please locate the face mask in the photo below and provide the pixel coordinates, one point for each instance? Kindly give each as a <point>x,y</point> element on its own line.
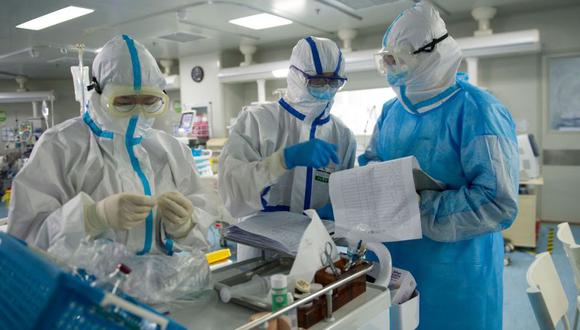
<point>396,79</point>
<point>325,93</point>
<point>144,123</point>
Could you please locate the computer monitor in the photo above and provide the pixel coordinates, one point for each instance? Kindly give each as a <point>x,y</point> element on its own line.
<point>529,157</point>
<point>186,121</point>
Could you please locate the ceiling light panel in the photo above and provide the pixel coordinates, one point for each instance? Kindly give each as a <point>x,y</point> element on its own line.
<point>56,17</point>
<point>260,21</point>
<point>363,4</point>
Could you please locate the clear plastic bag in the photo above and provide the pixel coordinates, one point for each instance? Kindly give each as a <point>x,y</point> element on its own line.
<point>154,279</point>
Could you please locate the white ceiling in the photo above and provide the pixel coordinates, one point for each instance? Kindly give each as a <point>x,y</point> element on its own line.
<point>39,54</point>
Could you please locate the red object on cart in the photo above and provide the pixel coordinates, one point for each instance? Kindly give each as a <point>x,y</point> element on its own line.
<point>200,130</point>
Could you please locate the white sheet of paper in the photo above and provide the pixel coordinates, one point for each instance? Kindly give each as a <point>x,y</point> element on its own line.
<point>280,231</point>
<point>377,202</point>
<point>311,248</point>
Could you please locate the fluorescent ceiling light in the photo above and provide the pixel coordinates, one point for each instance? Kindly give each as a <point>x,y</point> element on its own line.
<point>280,73</point>
<point>260,21</point>
<point>56,17</point>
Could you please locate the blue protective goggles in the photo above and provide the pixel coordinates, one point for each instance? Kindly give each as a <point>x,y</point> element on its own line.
<point>318,81</point>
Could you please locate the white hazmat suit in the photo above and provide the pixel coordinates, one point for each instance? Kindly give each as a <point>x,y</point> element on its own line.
<point>86,159</point>
<point>253,176</point>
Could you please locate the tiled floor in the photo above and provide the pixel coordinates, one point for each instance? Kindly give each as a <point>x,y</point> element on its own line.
<point>517,310</point>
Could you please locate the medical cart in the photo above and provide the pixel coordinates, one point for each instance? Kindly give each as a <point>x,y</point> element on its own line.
<point>371,310</point>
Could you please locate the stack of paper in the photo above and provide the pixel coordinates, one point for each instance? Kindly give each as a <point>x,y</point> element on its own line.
<point>378,202</point>
<point>278,231</point>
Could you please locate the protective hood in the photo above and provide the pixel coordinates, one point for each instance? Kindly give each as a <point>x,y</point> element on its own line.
<point>432,81</point>
<point>123,62</point>
<point>313,56</point>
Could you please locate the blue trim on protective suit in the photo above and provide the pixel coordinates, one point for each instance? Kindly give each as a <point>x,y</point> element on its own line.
<point>321,121</point>
<point>130,141</point>
<point>308,190</point>
<point>136,64</point>
<point>301,116</point>
<point>437,98</point>
<point>315,55</point>
<point>169,246</point>
<point>317,122</point>
<point>390,27</point>
<point>95,128</point>
<point>291,110</point>
<point>271,208</point>
<point>309,170</point>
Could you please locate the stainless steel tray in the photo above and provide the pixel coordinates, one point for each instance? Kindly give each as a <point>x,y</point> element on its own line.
<point>256,266</point>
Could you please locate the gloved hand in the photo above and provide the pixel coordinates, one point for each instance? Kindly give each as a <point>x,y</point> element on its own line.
<point>120,211</point>
<point>326,212</point>
<point>176,213</point>
<point>314,153</point>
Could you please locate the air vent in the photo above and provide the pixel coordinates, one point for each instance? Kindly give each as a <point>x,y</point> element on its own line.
<point>364,4</point>
<point>182,37</point>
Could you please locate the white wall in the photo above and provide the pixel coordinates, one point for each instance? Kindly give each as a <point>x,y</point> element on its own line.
<point>516,81</point>
<point>205,92</point>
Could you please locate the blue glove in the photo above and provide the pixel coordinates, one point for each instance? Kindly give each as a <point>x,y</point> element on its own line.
<point>326,212</point>
<point>314,153</point>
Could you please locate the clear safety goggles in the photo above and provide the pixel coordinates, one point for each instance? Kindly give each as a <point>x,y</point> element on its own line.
<point>124,101</point>
<point>318,81</point>
<point>398,60</point>
<point>402,58</point>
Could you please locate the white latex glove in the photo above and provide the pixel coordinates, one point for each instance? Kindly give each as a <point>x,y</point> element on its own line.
<point>120,211</point>
<point>176,213</point>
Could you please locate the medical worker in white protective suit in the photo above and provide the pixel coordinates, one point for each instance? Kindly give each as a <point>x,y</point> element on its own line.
<point>279,156</point>
<point>464,137</point>
<point>108,173</point>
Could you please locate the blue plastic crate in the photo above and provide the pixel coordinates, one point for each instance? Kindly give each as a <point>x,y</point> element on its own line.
<point>37,294</point>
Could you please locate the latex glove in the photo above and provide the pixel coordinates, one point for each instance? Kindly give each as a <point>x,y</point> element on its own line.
<point>176,213</point>
<point>314,153</point>
<point>121,211</point>
<point>326,212</point>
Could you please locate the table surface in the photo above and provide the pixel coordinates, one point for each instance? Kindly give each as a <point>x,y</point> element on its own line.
<point>208,312</point>
<point>533,182</point>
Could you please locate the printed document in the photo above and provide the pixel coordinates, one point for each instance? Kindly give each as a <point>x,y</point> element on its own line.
<point>378,202</point>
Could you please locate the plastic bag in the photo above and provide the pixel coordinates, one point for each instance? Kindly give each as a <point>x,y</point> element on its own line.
<point>154,279</point>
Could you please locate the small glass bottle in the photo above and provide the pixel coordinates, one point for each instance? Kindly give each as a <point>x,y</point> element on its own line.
<point>113,283</point>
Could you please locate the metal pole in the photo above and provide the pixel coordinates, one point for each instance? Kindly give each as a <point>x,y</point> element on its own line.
<point>52,111</point>
<point>329,317</point>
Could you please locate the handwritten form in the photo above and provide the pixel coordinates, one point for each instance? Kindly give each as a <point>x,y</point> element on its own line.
<point>378,202</point>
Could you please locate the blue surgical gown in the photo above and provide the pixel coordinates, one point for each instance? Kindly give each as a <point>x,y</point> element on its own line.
<point>468,143</point>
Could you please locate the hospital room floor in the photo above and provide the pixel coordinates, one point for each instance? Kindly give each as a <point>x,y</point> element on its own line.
<point>517,312</point>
